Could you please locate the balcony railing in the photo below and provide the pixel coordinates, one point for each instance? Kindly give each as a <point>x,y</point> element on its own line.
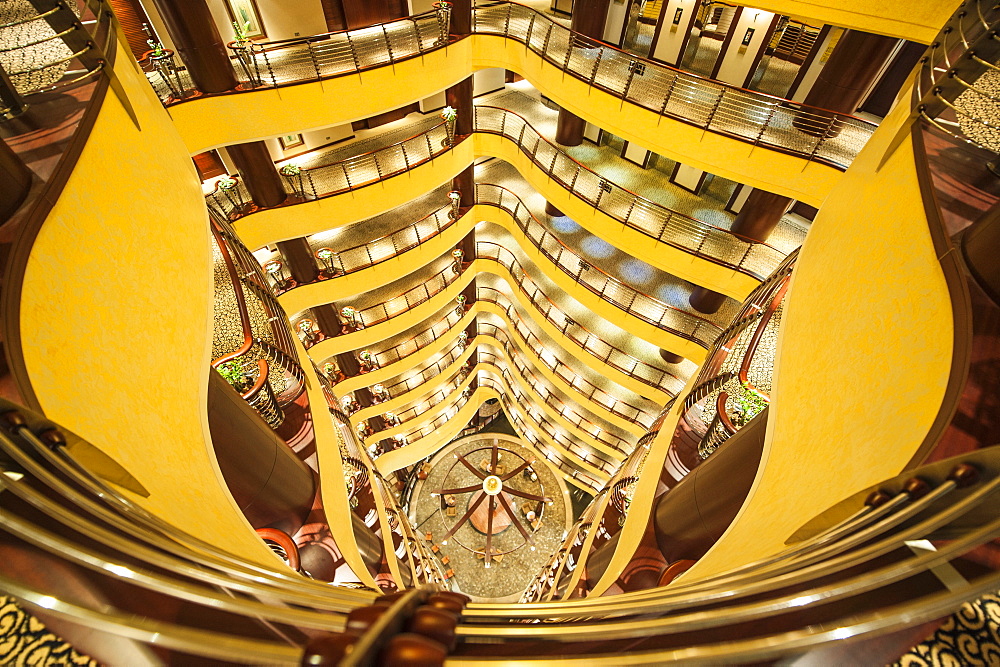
<point>647,217</point>
<point>551,454</point>
<point>653,220</point>
<point>433,373</point>
<point>577,383</point>
<point>668,318</point>
<point>36,59</point>
<point>761,120</point>
<point>630,301</point>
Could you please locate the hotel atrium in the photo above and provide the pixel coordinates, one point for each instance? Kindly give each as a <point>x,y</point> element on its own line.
<point>391,332</point>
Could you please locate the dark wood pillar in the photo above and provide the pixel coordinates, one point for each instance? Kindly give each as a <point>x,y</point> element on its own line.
<point>884,94</point>
<point>327,319</point>
<point>198,44</point>
<point>841,85</point>
<point>361,13</point>
<point>459,97</point>
<point>350,367</point>
<point>553,211</point>
<point>465,183</point>
<point>298,257</point>
<point>263,181</point>
<point>17,181</point>
<point>589,17</point>
<point>569,128</point>
<point>760,215</point>
<point>671,357</point>
<point>706,301</point>
<point>461,17</point>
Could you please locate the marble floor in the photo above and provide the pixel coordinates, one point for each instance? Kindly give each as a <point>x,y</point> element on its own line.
<point>506,578</point>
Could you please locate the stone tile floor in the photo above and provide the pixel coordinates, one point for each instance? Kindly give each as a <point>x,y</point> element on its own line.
<point>508,578</point>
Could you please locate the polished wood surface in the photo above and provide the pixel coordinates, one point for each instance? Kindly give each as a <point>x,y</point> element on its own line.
<point>760,214</point>
<point>198,43</point>
<point>480,517</point>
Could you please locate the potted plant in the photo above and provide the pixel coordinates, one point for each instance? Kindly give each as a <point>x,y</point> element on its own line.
<point>293,174</point>
<point>456,204</point>
<point>450,116</point>
<point>235,374</point>
<point>443,10</point>
<point>240,31</point>
<point>326,256</point>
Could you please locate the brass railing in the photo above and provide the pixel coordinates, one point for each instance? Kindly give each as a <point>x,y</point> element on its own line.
<point>651,219</point>
<point>45,38</point>
<point>761,120</point>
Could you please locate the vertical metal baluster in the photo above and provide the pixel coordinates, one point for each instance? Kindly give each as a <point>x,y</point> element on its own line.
<point>631,74</point>
<point>416,32</point>
<point>545,46</point>
<point>312,56</point>
<point>715,107</point>
<point>388,44</point>
<point>597,64</point>
<point>666,98</point>
<point>354,55</point>
<point>527,35</point>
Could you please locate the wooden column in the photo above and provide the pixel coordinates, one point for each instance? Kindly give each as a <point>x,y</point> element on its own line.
<point>706,301</point>
<point>361,13</point>
<point>16,179</point>
<point>569,128</point>
<point>553,211</point>
<point>589,17</point>
<point>263,181</point>
<point>198,44</point>
<point>298,257</point>
<point>855,62</point>
<point>760,215</point>
<point>465,183</point>
<point>671,357</point>
<point>461,17</point>
<point>459,97</point>
<point>327,319</point>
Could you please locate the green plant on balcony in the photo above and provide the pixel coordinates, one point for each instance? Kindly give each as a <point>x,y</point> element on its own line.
<point>747,404</point>
<point>234,372</point>
<point>241,30</point>
<point>156,48</point>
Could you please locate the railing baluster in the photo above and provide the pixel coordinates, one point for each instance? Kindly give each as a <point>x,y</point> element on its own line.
<point>354,55</point>
<point>388,45</point>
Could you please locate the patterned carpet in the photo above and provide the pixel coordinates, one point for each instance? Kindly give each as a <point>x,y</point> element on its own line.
<point>24,640</point>
<point>971,637</point>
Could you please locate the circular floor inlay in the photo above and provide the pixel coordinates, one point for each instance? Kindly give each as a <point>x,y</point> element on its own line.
<point>480,519</point>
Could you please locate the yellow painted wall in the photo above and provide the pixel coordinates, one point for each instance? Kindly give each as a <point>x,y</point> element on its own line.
<point>864,354</point>
<point>917,21</point>
<point>206,122</point>
<point>120,363</point>
<point>279,224</point>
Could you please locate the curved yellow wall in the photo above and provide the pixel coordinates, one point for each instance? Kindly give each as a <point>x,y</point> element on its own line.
<point>124,365</point>
<point>916,21</point>
<point>864,354</point>
<point>206,122</point>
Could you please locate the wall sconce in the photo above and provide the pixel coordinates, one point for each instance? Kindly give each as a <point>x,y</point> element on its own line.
<point>748,37</point>
<point>678,13</point>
